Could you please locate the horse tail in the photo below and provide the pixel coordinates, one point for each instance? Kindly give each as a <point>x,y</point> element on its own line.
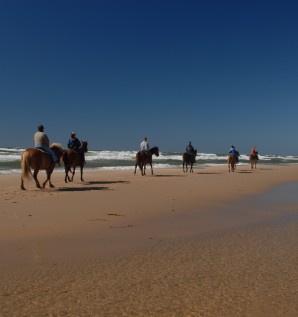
<point>25,164</point>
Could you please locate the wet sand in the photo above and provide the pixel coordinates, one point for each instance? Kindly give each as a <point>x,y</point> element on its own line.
<point>208,244</point>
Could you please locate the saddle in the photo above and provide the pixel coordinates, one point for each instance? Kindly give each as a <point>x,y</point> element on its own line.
<point>43,151</point>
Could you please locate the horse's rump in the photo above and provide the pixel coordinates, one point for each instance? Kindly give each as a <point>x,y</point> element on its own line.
<point>253,157</point>
<point>143,156</point>
<point>189,157</point>
<point>71,158</point>
<point>232,158</point>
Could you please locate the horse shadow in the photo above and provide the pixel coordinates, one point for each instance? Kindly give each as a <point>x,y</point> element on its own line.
<point>245,172</point>
<point>174,175</point>
<point>81,189</point>
<point>105,182</point>
<point>209,173</point>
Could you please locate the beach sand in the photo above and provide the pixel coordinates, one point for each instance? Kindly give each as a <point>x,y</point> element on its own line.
<point>171,244</point>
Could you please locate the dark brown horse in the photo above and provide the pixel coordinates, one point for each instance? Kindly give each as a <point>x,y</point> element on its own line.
<point>143,158</point>
<point>72,159</point>
<point>38,160</point>
<point>231,162</point>
<point>189,158</point>
<point>253,160</point>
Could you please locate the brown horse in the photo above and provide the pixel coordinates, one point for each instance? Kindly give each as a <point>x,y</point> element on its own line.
<point>189,158</point>
<point>143,158</point>
<point>39,160</point>
<point>253,160</point>
<point>72,159</point>
<point>231,162</point>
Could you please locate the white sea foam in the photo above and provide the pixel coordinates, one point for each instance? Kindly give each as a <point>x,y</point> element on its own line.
<point>113,160</point>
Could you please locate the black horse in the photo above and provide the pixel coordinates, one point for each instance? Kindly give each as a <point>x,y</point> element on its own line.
<point>189,158</point>
<point>145,157</point>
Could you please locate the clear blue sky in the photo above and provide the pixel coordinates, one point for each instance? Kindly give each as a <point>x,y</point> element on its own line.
<point>215,73</point>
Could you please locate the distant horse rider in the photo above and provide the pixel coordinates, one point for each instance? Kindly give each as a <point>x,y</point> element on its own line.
<point>235,153</point>
<point>42,142</point>
<point>254,152</point>
<point>190,149</point>
<point>75,144</point>
<point>144,146</point>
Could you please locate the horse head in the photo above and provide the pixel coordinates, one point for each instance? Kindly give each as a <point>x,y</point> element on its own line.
<point>154,150</point>
<point>57,148</point>
<point>84,146</point>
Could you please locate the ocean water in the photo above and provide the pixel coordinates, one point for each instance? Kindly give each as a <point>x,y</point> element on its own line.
<point>10,160</point>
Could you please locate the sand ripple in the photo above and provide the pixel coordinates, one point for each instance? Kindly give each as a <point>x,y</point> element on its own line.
<point>249,271</point>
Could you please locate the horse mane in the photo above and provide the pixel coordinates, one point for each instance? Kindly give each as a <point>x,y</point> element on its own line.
<point>56,145</point>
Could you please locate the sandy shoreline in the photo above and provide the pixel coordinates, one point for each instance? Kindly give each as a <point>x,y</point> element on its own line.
<point>172,236</point>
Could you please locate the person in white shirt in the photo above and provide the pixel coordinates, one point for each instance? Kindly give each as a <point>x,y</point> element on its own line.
<point>145,145</point>
<point>42,142</point>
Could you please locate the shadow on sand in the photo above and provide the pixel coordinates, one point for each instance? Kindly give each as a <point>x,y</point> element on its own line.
<point>206,173</point>
<point>81,189</point>
<point>168,175</point>
<point>245,172</point>
<point>105,182</point>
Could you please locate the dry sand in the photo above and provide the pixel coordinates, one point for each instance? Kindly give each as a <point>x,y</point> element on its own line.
<point>171,244</point>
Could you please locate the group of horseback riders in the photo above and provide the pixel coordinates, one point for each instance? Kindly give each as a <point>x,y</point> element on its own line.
<point>42,142</point>
<point>234,152</point>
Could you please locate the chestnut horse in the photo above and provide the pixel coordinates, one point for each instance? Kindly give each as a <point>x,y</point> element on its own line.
<point>231,162</point>
<point>72,159</point>
<point>189,158</point>
<point>253,160</point>
<point>38,159</point>
<point>143,158</point>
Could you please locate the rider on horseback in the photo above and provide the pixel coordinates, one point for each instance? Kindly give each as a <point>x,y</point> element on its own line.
<point>234,152</point>
<point>254,151</point>
<point>75,144</point>
<point>190,149</point>
<point>42,142</point>
<point>144,146</point>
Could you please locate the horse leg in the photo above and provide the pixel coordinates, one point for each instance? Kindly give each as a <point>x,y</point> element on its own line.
<point>144,169</point>
<point>49,173</point>
<point>82,172</point>
<point>191,170</point>
<point>22,184</point>
<point>183,167</point>
<point>141,168</point>
<point>73,174</point>
<point>35,178</point>
<point>66,174</point>
<point>136,167</point>
<point>151,169</point>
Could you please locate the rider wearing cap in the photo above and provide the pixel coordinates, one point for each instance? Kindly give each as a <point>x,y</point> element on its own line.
<point>190,149</point>
<point>234,152</point>
<point>75,144</point>
<point>42,142</point>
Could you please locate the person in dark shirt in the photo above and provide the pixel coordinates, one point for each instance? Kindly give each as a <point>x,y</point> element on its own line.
<point>235,153</point>
<point>75,144</point>
<point>190,149</point>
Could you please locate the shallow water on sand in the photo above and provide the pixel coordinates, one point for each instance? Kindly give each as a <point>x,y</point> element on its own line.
<point>246,267</point>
